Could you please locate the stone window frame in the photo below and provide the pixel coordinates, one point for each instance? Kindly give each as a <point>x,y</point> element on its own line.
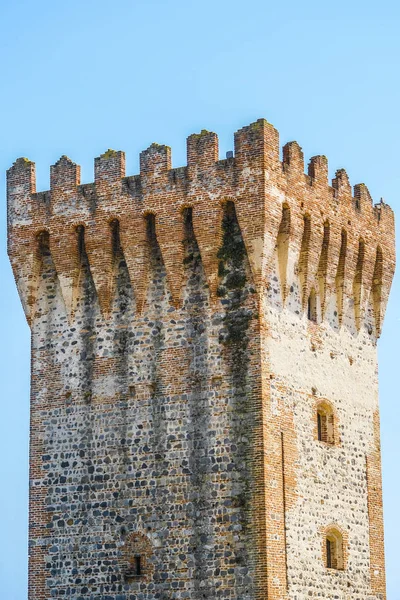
<point>136,546</point>
<point>324,405</point>
<point>340,537</point>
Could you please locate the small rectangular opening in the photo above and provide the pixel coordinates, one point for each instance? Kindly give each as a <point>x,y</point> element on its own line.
<point>322,421</point>
<point>312,307</point>
<point>329,554</point>
<point>137,566</point>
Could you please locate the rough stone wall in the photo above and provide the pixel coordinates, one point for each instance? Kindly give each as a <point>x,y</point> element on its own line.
<point>312,364</point>
<point>331,361</point>
<point>176,375</point>
<point>147,432</point>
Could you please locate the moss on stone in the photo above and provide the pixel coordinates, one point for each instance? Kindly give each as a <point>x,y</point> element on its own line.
<point>159,147</point>
<point>23,162</point>
<point>258,125</point>
<point>203,133</point>
<point>109,154</point>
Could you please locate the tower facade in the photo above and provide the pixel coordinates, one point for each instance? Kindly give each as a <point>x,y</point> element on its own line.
<point>204,392</point>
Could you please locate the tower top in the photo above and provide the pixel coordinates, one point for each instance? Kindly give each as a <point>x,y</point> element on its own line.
<point>255,179</point>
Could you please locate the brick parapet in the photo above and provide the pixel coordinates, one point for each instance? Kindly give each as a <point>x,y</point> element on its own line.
<point>255,179</point>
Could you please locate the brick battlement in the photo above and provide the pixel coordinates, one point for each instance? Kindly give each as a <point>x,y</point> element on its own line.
<point>348,236</point>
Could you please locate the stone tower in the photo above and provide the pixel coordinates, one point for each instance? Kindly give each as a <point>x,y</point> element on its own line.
<point>204,398</point>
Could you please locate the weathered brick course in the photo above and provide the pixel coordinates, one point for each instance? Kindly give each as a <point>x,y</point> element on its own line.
<point>186,325</point>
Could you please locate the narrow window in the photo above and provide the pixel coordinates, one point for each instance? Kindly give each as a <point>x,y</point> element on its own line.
<point>334,550</point>
<point>312,306</point>
<point>136,556</point>
<point>322,427</point>
<point>319,418</point>
<point>329,552</point>
<point>325,424</point>
<point>137,566</point>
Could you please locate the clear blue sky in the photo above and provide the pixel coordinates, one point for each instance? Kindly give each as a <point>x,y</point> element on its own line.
<point>81,76</point>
